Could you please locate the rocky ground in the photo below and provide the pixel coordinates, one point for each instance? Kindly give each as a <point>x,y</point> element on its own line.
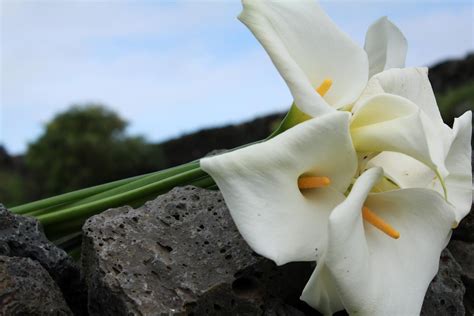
<point>179,254</point>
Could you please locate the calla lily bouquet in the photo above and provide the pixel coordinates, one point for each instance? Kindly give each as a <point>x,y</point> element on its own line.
<point>362,176</point>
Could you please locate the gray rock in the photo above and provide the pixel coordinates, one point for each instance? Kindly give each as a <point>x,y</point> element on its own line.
<point>27,289</point>
<point>469,303</point>
<point>22,236</point>
<point>463,252</point>
<point>181,254</point>
<point>279,308</point>
<point>446,291</point>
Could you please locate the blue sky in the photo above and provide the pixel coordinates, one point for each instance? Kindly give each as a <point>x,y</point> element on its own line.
<point>172,67</point>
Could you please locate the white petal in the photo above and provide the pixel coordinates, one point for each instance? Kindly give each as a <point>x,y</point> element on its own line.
<point>385,45</point>
<point>375,274</point>
<point>386,122</point>
<point>259,184</point>
<point>307,48</point>
<point>458,162</point>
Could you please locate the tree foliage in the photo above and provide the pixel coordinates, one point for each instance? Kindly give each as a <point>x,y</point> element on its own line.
<point>84,146</point>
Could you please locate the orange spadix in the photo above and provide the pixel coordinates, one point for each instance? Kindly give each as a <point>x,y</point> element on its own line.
<point>313,182</point>
<point>324,87</point>
<point>379,223</point>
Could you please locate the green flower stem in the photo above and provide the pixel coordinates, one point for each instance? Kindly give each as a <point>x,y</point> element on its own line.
<point>134,184</point>
<point>292,118</point>
<point>155,177</point>
<point>60,201</point>
<point>67,197</point>
<point>49,209</point>
<point>87,209</point>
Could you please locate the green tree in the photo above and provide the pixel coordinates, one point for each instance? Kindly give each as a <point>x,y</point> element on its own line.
<point>84,146</point>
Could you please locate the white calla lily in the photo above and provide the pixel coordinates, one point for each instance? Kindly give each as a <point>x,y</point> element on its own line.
<point>367,273</point>
<point>260,186</point>
<point>308,48</point>
<point>449,149</point>
<point>407,172</point>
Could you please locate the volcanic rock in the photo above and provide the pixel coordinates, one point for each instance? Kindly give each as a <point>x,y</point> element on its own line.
<point>446,291</point>
<point>23,236</point>
<point>279,308</point>
<point>182,254</point>
<point>27,289</point>
<point>463,252</point>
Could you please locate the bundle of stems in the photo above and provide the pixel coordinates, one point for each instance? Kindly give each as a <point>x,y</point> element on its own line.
<point>62,216</point>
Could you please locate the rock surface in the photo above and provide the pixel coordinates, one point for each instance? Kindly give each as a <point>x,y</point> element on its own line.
<point>27,289</point>
<point>182,254</point>
<point>279,308</point>
<point>446,291</point>
<point>463,252</point>
<point>22,236</point>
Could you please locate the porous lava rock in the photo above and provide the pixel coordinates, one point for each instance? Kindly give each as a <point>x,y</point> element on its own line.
<point>23,236</point>
<point>446,291</point>
<point>277,307</point>
<point>27,289</point>
<point>463,252</point>
<point>181,254</point>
